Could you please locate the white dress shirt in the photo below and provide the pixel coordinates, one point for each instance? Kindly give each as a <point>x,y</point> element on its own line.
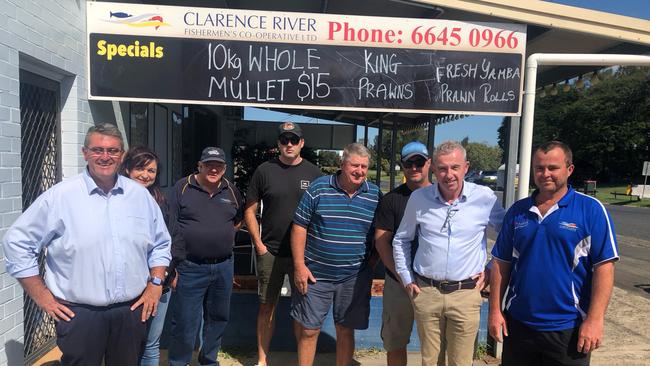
<point>451,236</point>
<point>100,246</point>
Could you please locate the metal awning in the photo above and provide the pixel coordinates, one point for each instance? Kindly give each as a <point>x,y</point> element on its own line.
<point>552,28</point>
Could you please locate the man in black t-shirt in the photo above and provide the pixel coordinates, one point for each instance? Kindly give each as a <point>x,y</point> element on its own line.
<point>397,316</point>
<point>278,184</point>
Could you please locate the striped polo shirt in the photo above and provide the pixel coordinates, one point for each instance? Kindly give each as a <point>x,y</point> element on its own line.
<point>339,228</point>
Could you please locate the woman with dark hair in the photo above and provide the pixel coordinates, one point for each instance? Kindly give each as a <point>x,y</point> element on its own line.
<point>143,165</point>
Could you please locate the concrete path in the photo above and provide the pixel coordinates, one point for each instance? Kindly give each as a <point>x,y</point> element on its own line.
<point>627,341</point>
<point>627,331</point>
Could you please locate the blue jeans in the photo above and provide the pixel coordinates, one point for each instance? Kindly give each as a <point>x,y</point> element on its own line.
<point>201,288</point>
<point>151,355</point>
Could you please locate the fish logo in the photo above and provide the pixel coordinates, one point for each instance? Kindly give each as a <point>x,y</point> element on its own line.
<point>120,14</point>
<point>139,21</point>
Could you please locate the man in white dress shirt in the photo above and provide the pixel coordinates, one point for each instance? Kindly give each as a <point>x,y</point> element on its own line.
<point>450,219</point>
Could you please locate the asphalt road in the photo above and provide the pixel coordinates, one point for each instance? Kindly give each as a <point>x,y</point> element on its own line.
<point>632,225</point>
<point>631,221</point>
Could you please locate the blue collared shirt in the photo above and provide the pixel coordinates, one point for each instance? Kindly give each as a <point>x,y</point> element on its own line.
<point>451,236</point>
<point>99,246</point>
<point>552,259</point>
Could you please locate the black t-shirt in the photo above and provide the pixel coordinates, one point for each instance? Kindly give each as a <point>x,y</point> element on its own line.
<point>390,212</point>
<point>280,188</point>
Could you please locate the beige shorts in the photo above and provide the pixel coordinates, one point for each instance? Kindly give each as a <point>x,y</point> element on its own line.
<point>397,316</point>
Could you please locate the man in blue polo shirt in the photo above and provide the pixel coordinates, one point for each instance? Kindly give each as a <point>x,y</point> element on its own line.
<point>331,241</point>
<point>556,255</point>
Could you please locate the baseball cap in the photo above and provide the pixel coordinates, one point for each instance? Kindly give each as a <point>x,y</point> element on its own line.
<point>290,127</point>
<point>414,148</point>
<point>213,154</point>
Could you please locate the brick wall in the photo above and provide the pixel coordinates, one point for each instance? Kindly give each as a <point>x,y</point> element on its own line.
<point>48,38</point>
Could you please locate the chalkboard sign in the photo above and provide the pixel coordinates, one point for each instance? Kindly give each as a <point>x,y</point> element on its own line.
<point>242,72</point>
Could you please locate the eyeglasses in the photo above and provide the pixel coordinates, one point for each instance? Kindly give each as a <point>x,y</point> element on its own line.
<point>418,163</point>
<point>285,140</point>
<point>100,151</point>
<point>451,211</point>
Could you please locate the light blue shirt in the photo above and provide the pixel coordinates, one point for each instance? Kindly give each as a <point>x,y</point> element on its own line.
<point>451,236</point>
<point>99,246</point>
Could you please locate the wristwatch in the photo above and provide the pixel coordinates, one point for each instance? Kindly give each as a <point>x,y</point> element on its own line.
<point>156,280</point>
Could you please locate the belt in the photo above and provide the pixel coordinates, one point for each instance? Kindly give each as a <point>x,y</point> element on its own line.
<point>198,260</point>
<point>449,286</point>
<point>98,307</point>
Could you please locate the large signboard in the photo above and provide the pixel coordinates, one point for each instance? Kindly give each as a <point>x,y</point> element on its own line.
<point>303,60</point>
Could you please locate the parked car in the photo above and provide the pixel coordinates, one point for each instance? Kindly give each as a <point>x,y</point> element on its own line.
<point>487,178</point>
<point>473,176</point>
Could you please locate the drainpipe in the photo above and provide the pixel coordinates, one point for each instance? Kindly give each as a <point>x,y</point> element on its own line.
<point>564,59</point>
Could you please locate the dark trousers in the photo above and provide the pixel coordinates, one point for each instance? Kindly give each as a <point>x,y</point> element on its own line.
<point>111,333</point>
<point>201,289</point>
<point>527,347</point>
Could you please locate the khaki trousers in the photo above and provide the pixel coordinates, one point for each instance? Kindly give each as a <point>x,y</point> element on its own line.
<point>447,321</point>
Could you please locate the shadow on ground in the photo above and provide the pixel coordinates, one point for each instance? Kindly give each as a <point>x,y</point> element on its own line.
<point>644,287</point>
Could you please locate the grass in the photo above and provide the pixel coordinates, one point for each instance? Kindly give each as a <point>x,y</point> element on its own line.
<point>366,352</point>
<point>481,351</point>
<point>232,352</point>
<point>603,194</point>
<point>372,174</point>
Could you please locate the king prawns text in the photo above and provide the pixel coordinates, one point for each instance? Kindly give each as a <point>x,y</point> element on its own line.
<point>134,49</point>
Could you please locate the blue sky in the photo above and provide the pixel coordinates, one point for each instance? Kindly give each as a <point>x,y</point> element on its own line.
<point>482,128</point>
<point>631,8</point>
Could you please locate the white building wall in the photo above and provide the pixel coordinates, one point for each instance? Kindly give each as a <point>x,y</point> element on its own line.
<point>47,38</point>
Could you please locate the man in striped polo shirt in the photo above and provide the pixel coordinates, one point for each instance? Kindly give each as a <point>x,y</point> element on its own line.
<point>331,241</point>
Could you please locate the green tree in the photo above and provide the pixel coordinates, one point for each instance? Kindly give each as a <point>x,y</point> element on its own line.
<point>328,158</point>
<point>482,156</point>
<point>607,125</point>
<point>403,138</point>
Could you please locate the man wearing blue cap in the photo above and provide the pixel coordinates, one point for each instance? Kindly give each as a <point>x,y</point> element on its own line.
<point>450,220</point>
<point>205,213</point>
<point>397,314</point>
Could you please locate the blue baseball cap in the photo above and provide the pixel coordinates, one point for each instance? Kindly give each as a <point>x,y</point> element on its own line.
<point>414,148</point>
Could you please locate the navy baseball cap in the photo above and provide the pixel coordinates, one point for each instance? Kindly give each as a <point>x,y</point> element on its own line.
<point>414,148</point>
<point>213,154</point>
<point>290,127</point>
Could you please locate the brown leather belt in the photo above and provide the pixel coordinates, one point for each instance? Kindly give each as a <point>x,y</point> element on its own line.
<point>448,286</point>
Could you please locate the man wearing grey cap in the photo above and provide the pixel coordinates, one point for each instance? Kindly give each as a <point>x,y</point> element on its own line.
<point>205,213</point>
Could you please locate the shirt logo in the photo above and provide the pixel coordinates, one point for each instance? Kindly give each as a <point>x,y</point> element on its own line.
<point>568,226</point>
<point>304,184</point>
<point>520,222</point>
<point>225,200</point>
